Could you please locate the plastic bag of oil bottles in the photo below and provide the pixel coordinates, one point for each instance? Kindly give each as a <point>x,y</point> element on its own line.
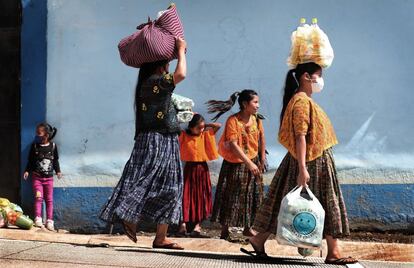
<point>310,44</point>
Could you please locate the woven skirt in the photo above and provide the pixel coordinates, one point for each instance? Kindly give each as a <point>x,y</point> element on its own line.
<point>324,185</point>
<point>238,195</point>
<point>197,204</point>
<point>151,185</point>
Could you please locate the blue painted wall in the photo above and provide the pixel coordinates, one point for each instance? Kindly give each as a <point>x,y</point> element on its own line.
<point>77,208</point>
<point>370,207</point>
<point>88,93</point>
<point>380,206</point>
<point>33,89</point>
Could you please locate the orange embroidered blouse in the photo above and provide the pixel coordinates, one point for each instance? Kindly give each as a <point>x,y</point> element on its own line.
<point>200,148</point>
<point>304,117</point>
<point>247,138</point>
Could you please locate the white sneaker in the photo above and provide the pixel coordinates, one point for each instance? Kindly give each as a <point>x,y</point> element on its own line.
<point>38,222</point>
<point>49,225</point>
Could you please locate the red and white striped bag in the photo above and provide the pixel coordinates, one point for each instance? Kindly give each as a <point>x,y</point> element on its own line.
<point>154,40</point>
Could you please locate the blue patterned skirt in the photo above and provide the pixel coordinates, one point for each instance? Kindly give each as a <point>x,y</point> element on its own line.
<point>151,185</point>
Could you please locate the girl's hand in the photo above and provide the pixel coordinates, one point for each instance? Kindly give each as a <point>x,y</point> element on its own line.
<point>26,175</point>
<point>181,44</point>
<point>215,126</point>
<point>253,168</point>
<point>303,177</point>
<point>59,175</point>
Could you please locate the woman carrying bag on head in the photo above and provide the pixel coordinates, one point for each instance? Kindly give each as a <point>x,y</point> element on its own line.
<point>151,185</point>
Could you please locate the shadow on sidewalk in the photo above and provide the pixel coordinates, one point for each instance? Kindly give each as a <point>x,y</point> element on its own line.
<point>218,256</point>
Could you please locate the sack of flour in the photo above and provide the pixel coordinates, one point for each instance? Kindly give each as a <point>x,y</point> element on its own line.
<point>301,219</point>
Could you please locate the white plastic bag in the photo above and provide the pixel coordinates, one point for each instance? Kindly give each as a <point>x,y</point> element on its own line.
<point>301,219</point>
<point>181,102</point>
<point>184,116</point>
<point>184,107</point>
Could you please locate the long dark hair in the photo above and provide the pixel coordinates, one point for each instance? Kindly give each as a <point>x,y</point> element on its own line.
<point>197,119</point>
<point>50,131</point>
<point>145,71</point>
<point>221,107</point>
<point>292,82</point>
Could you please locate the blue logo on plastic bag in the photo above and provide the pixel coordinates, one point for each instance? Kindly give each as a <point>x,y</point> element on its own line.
<point>304,223</point>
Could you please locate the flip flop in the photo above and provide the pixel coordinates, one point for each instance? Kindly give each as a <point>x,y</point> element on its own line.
<point>341,261</point>
<point>168,246</point>
<point>255,254</point>
<point>225,237</point>
<point>196,234</point>
<point>130,230</point>
<point>180,234</point>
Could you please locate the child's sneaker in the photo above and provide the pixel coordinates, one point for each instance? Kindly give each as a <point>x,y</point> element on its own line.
<point>49,225</point>
<point>38,222</point>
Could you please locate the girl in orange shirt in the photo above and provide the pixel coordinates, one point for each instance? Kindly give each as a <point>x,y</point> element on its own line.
<point>240,185</point>
<point>197,146</point>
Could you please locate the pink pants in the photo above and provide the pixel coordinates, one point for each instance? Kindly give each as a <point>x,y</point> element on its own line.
<point>43,190</point>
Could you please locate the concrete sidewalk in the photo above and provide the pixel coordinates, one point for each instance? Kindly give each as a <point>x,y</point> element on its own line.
<point>73,249</point>
<point>17,253</point>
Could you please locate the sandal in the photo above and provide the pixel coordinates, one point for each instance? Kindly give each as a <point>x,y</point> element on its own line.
<point>341,261</point>
<point>181,234</point>
<point>255,254</point>
<point>197,234</point>
<point>225,236</point>
<point>168,246</point>
<point>130,230</point>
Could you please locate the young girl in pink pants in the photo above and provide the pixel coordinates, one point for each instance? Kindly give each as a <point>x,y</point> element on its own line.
<point>43,160</point>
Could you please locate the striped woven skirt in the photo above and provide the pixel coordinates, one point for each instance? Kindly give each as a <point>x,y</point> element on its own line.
<point>238,195</point>
<point>151,185</point>
<point>324,185</point>
<point>197,203</point>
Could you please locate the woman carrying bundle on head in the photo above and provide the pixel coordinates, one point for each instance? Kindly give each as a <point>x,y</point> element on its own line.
<point>239,190</point>
<point>307,133</point>
<point>151,185</point>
